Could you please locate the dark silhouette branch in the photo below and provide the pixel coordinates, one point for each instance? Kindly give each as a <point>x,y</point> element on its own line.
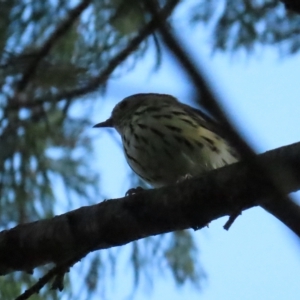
<point>292,5</point>
<point>97,81</point>
<point>121,56</point>
<point>206,95</point>
<point>47,46</point>
<point>208,99</point>
<point>191,204</point>
<point>57,273</point>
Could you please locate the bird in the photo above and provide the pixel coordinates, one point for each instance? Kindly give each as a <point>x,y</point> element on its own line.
<point>166,141</point>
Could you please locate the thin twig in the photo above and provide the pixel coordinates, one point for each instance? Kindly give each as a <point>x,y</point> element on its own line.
<point>231,219</point>
<point>102,77</point>
<point>58,270</point>
<point>54,37</point>
<point>121,56</point>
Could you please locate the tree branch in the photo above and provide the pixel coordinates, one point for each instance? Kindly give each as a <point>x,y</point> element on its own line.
<point>190,204</point>
<point>292,5</point>
<point>45,49</point>
<point>210,101</point>
<point>103,76</point>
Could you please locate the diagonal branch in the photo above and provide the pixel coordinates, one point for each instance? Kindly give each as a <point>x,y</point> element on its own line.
<point>292,5</point>
<point>211,102</point>
<point>207,98</point>
<point>103,76</point>
<point>122,55</point>
<point>45,49</point>
<point>190,204</point>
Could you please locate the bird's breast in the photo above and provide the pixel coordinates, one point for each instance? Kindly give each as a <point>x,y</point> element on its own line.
<point>163,150</point>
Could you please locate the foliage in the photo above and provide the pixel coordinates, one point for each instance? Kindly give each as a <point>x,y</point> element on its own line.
<point>45,157</point>
<point>242,24</point>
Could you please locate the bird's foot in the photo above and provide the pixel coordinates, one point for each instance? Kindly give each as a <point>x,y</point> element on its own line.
<point>134,191</point>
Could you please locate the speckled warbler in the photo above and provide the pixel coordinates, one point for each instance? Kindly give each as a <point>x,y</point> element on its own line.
<point>165,140</point>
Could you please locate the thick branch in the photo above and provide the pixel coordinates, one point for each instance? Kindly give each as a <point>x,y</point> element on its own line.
<point>192,203</point>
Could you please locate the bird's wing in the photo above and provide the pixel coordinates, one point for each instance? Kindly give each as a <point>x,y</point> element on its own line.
<point>204,120</point>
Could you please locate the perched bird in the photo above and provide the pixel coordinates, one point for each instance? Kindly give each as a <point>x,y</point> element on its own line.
<point>165,140</point>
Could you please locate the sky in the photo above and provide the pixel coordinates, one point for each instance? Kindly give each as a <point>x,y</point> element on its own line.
<point>258,258</point>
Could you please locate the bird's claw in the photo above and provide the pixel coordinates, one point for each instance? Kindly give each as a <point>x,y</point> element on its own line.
<point>134,191</point>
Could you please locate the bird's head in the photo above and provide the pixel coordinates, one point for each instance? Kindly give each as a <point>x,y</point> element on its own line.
<point>132,106</point>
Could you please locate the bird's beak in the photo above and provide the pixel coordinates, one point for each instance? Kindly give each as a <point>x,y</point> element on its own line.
<point>107,123</point>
